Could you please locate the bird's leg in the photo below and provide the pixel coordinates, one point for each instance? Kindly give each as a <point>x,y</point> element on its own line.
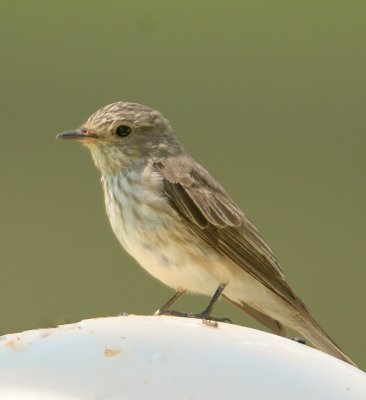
<point>164,310</point>
<point>206,313</point>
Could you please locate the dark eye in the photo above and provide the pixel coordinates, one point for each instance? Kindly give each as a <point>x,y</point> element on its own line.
<point>123,130</point>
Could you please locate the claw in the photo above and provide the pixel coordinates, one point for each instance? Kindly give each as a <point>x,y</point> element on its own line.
<point>299,340</point>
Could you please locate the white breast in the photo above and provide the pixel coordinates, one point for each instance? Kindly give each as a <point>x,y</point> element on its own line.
<point>148,229</point>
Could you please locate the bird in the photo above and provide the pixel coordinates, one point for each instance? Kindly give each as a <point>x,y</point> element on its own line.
<point>181,226</point>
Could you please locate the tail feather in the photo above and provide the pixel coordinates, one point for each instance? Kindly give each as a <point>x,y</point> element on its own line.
<point>301,321</point>
<point>315,334</point>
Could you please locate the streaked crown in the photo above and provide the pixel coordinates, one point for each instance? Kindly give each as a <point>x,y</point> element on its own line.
<point>137,114</point>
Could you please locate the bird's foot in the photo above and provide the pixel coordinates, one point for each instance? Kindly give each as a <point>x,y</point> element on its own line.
<point>165,308</point>
<point>299,340</point>
<point>204,316</point>
<point>207,317</point>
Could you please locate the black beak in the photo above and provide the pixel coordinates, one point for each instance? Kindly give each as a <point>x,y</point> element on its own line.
<point>75,134</point>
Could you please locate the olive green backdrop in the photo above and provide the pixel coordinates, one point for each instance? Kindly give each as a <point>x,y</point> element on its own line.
<point>268,95</point>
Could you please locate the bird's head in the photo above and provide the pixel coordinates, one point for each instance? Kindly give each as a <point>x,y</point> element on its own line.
<point>122,133</point>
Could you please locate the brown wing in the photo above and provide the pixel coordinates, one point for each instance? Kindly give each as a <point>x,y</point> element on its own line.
<point>210,213</point>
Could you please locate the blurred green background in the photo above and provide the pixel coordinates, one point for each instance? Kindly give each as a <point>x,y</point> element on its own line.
<point>268,95</point>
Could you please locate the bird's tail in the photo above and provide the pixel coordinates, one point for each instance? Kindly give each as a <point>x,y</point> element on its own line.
<point>306,326</point>
<point>312,331</point>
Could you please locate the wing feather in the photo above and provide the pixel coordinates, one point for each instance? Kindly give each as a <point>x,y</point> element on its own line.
<point>210,213</point>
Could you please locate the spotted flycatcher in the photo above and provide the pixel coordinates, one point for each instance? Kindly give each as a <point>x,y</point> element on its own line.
<point>181,226</point>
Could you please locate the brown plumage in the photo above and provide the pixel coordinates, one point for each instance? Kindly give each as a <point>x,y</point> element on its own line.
<point>210,214</point>
<point>181,226</point>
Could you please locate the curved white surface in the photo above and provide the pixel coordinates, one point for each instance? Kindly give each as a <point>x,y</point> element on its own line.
<point>140,357</point>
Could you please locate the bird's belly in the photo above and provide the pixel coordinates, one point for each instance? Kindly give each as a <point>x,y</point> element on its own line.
<point>173,264</point>
<point>177,270</point>
<point>165,249</point>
